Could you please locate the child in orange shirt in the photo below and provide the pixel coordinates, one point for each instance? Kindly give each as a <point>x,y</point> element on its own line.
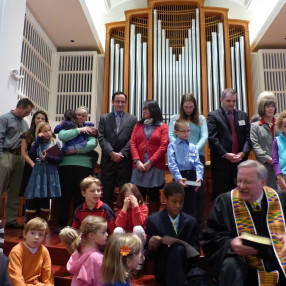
<point>29,261</point>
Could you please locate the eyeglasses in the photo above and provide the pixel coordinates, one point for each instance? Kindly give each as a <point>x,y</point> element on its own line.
<point>245,182</point>
<point>184,131</point>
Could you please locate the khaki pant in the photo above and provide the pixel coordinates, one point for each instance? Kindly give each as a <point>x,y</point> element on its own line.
<point>11,171</point>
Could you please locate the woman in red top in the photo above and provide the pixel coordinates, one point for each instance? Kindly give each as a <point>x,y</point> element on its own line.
<point>132,212</point>
<point>148,145</point>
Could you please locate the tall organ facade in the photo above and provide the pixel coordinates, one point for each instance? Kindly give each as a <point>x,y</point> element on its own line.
<point>177,47</point>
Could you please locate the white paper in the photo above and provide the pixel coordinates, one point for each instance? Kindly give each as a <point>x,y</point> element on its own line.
<point>193,183</point>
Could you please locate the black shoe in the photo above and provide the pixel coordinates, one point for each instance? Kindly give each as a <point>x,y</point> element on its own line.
<point>13,225</point>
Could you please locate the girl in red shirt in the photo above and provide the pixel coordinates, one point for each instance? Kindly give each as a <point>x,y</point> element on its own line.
<point>132,212</point>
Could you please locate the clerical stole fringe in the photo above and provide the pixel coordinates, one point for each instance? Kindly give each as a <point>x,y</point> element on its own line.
<point>276,226</point>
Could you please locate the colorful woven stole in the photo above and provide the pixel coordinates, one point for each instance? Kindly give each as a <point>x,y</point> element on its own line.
<point>276,225</point>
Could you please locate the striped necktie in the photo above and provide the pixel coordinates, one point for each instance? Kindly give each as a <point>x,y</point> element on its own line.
<point>118,121</point>
<point>233,133</point>
<point>175,226</point>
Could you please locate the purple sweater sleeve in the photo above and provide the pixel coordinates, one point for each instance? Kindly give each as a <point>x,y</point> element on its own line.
<point>275,157</point>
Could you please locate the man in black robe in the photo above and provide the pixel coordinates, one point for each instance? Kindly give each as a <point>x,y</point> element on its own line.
<point>232,212</point>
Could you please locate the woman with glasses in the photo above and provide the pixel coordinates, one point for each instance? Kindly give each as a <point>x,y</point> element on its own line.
<point>148,145</point>
<point>262,134</point>
<point>189,111</point>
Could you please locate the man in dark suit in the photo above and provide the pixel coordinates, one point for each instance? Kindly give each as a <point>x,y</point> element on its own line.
<point>229,142</point>
<point>114,132</point>
<point>172,266</point>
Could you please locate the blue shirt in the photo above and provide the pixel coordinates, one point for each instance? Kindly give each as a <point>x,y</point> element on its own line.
<point>120,114</point>
<point>198,136</point>
<point>182,156</point>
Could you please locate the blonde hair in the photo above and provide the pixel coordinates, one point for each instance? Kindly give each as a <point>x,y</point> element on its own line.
<point>114,265</point>
<point>36,223</point>
<point>263,103</point>
<point>281,116</point>
<point>180,122</point>
<point>266,95</point>
<point>86,182</point>
<point>91,224</point>
<point>39,127</point>
<point>82,109</point>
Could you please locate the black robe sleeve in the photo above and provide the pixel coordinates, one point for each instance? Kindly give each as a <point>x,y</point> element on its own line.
<point>219,232</point>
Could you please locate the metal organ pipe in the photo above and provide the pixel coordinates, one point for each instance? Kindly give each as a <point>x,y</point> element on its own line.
<point>144,72</point>
<point>163,94</point>
<point>232,68</point>
<point>132,69</point>
<point>155,58</point>
<point>220,35</point>
<point>138,96</point>
<point>159,61</point>
<point>111,73</point>
<point>197,27</point>
<point>187,75</point>
<point>215,70</point>
<point>210,78</point>
<point>121,72</point>
<point>243,75</point>
<point>238,75</point>
<point>116,68</point>
<point>191,90</point>
<point>194,62</point>
<point>168,88</point>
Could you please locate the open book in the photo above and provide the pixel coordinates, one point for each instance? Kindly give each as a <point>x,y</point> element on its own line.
<point>261,243</point>
<point>191,252</point>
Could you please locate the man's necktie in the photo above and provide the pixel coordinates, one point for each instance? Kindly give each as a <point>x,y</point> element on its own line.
<point>233,133</point>
<point>118,120</point>
<point>175,226</point>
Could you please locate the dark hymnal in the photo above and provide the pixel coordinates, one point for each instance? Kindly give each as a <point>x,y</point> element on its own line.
<point>261,243</point>
<point>54,151</point>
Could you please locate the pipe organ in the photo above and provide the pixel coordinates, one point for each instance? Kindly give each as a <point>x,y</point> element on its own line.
<point>177,47</point>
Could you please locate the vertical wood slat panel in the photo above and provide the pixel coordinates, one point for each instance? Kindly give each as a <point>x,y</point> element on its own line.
<point>35,66</point>
<point>75,80</point>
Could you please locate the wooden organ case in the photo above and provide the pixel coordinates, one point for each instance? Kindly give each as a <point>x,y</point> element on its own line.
<point>177,47</point>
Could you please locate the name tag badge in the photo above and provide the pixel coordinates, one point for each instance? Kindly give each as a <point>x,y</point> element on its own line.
<point>192,154</point>
<point>241,122</point>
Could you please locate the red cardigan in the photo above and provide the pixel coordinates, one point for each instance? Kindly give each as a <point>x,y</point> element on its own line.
<point>156,146</point>
<point>134,216</point>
